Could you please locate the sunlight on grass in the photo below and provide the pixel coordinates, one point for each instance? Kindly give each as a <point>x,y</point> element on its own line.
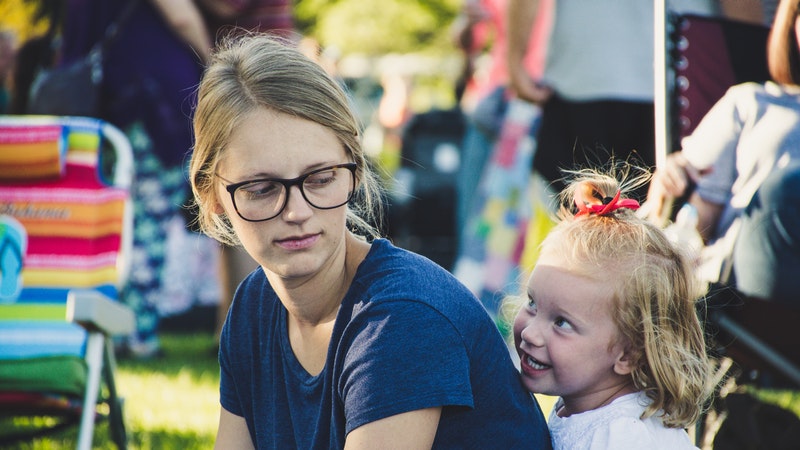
<point>546,402</point>
<point>181,400</point>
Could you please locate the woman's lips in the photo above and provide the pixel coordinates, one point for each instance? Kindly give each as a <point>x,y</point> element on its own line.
<point>299,242</point>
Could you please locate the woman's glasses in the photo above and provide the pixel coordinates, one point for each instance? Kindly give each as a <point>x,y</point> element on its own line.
<point>264,199</point>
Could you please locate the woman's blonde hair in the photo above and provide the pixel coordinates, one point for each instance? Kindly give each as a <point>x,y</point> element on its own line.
<point>655,292</point>
<point>264,71</point>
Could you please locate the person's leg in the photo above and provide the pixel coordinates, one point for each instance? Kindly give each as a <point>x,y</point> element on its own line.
<point>475,153</point>
<point>615,130</point>
<point>555,142</point>
<point>482,128</point>
<point>766,257</point>
<point>580,134</point>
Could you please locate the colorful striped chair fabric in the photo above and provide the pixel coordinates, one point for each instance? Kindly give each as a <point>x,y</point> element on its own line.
<point>65,240</point>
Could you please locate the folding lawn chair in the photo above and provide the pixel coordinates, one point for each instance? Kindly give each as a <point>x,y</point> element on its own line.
<point>64,235</point>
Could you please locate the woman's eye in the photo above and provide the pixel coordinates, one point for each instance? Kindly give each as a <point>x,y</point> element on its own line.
<point>261,189</point>
<point>320,179</point>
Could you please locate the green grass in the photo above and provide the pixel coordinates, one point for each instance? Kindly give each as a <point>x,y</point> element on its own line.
<point>170,402</point>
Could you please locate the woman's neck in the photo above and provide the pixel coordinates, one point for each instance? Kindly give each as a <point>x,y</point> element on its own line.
<point>316,300</point>
<point>313,306</point>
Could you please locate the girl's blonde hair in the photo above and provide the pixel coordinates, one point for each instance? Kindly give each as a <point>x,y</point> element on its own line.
<point>655,293</point>
<point>264,71</point>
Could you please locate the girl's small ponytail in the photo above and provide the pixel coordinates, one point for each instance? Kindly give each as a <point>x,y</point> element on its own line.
<point>590,200</point>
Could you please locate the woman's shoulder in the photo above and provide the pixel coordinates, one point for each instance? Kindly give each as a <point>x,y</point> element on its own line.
<point>767,92</point>
<point>390,273</point>
<point>386,259</point>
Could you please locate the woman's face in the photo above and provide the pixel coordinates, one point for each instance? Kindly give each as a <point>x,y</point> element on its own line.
<point>301,240</point>
<point>566,338</point>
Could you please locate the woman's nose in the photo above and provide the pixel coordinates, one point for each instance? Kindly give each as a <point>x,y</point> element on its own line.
<point>297,208</point>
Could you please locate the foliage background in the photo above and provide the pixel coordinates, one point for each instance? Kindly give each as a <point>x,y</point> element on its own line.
<point>352,26</point>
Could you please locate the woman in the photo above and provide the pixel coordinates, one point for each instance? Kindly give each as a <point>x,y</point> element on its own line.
<point>335,340</point>
<point>743,158</point>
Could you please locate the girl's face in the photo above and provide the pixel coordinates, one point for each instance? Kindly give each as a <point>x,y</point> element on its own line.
<point>566,339</point>
<point>302,240</point>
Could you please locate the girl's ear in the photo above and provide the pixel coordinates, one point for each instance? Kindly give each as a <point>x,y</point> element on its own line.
<point>624,363</point>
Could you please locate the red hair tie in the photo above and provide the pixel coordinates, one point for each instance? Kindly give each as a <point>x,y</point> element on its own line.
<point>589,204</point>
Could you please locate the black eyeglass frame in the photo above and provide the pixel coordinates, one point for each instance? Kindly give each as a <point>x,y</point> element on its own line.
<point>287,185</point>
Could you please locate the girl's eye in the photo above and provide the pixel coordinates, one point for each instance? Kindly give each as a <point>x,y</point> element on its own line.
<point>561,322</point>
<point>532,305</point>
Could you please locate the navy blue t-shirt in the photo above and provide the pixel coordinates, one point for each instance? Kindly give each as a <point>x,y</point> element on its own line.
<point>407,336</point>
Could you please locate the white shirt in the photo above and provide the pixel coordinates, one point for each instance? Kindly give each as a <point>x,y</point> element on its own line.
<point>616,426</point>
<point>750,132</point>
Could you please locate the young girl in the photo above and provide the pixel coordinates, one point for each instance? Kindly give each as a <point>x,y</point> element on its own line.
<point>610,327</point>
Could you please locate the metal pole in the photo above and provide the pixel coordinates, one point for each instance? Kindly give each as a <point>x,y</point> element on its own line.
<point>661,86</point>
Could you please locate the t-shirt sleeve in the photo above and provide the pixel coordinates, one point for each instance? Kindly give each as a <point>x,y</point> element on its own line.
<point>228,397</point>
<point>403,356</point>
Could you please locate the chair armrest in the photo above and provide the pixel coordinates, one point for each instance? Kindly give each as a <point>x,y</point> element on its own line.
<point>97,312</point>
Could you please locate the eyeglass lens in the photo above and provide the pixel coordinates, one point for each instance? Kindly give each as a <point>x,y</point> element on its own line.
<point>326,188</point>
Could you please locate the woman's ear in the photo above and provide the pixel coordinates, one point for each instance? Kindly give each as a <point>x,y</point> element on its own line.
<point>218,209</point>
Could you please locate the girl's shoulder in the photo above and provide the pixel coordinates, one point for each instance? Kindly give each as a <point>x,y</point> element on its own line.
<point>619,426</point>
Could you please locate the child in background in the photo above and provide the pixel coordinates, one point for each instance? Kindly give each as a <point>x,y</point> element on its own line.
<point>610,326</point>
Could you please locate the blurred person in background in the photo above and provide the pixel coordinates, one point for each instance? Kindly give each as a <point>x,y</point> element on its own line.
<point>597,90</point>
<point>740,167</point>
<point>597,87</point>
<point>481,33</point>
<point>150,73</point>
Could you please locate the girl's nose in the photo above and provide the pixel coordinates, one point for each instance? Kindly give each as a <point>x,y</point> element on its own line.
<point>531,333</point>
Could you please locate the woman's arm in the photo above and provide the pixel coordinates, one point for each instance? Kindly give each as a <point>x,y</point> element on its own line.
<point>233,432</point>
<point>669,182</point>
<point>183,17</point>
<point>411,430</point>
<point>521,17</point>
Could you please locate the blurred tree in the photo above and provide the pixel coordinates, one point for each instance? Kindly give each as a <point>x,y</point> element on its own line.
<point>28,17</point>
<point>379,27</point>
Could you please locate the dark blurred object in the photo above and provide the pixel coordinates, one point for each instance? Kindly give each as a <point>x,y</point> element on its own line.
<point>37,53</point>
<point>754,424</point>
<point>76,89</point>
<point>421,212</point>
<point>73,90</point>
<point>760,336</point>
